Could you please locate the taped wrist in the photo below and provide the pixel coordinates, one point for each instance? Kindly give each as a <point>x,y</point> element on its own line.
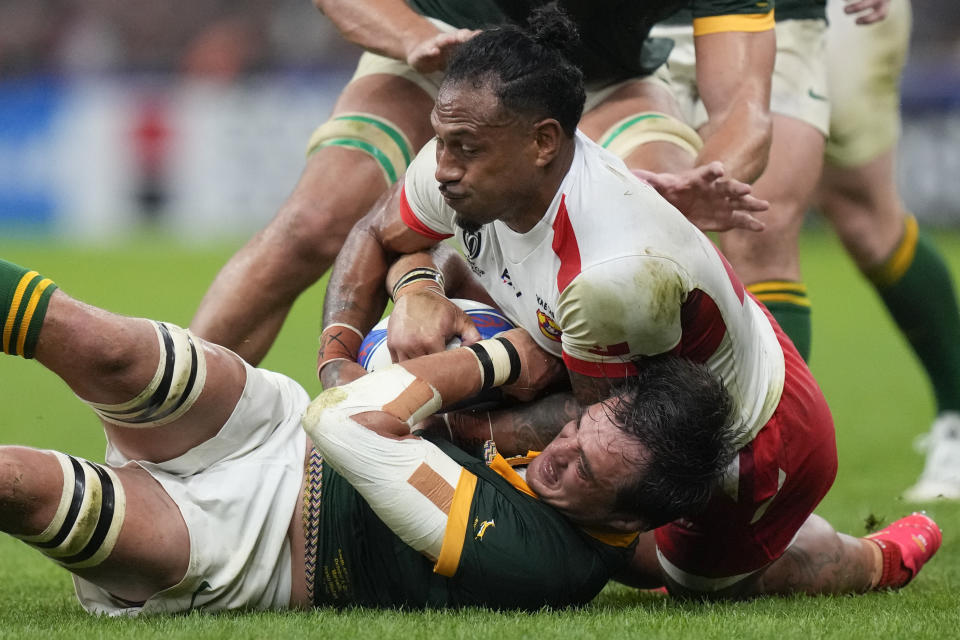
<point>499,362</point>
<point>338,341</point>
<point>420,274</point>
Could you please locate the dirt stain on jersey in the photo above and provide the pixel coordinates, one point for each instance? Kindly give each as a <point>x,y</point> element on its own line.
<point>665,289</point>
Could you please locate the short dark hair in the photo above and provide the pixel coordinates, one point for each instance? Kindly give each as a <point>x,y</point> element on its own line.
<point>680,413</point>
<point>527,68</point>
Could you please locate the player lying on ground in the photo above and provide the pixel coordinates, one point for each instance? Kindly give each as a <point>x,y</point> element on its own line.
<point>604,274</point>
<point>213,497</point>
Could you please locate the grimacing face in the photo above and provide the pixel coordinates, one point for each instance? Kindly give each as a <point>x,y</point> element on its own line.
<point>581,470</point>
<point>485,155</point>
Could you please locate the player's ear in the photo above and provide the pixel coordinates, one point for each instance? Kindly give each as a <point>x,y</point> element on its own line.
<point>549,138</point>
<point>626,523</point>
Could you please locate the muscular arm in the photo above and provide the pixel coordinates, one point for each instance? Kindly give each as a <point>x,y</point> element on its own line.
<point>390,28</point>
<point>734,69</point>
<point>356,295</point>
<point>387,27</point>
<point>516,430</point>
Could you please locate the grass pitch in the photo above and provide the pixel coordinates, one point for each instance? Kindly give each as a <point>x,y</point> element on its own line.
<point>877,391</point>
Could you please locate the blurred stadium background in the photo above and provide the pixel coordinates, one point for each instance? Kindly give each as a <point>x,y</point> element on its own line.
<point>191,117</point>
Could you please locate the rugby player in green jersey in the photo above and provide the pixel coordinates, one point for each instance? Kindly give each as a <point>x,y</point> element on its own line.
<point>858,194</point>
<point>381,120</point>
<point>213,497</point>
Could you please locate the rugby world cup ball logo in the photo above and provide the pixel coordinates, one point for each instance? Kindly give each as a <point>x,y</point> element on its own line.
<point>471,243</point>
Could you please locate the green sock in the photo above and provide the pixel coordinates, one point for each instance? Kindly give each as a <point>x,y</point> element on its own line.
<point>916,286</point>
<point>789,304</point>
<point>24,296</point>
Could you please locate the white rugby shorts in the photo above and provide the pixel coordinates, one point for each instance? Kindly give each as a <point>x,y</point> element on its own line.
<point>237,493</point>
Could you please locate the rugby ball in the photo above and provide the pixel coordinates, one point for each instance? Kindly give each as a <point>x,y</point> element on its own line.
<point>490,322</point>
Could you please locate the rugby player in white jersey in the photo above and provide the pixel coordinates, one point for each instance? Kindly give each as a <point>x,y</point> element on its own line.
<point>381,119</point>
<point>603,273</point>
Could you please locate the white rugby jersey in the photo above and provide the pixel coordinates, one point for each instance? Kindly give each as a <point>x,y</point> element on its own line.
<point>613,272</point>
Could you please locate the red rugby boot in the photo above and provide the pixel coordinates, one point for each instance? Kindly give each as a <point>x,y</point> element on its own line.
<point>906,545</point>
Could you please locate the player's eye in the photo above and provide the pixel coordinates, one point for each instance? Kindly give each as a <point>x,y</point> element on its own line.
<point>581,469</point>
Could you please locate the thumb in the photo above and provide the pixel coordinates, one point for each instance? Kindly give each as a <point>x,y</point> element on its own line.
<point>467,330</point>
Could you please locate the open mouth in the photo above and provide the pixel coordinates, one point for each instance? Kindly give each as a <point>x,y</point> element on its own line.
<point>547,471</point>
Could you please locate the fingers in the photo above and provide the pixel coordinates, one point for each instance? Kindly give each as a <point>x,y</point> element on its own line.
<point>712,171</point>
<point>647,176</point>
<point>871,10</point>
<point>412,346</point>
<point>468,331</point>
<point>752,204</point>
<point>743,220</point>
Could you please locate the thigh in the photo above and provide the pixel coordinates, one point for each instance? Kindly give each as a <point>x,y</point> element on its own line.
<point>633,98</point>
<point>115,527</point>
<point>152,551</point>
<point>224,380</point>
<point>865,63</point>
<point>340,183</point>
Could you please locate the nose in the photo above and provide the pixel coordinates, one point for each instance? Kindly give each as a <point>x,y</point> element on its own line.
<point>448,169</point>
<point>564,450</point>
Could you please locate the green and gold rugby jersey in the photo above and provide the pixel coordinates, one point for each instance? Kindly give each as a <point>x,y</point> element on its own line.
<point>613,33</point>
<point>503,548</point>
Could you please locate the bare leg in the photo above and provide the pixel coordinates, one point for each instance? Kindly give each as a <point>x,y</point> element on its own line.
<point>770,258</point>
<point>631,99</point>
<point>788,184</point>
<point>863,206</point>
<point>153,548</point>
<point>821,560</point>
<point>249,299</point>
<point>912,279</point>
<point>108,358</point>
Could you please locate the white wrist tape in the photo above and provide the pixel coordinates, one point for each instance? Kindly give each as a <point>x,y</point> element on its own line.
<point>498,360</point>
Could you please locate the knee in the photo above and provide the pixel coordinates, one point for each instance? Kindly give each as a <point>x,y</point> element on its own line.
<point>23,501</point>
<point>12,470</point>
<point>307,232</point>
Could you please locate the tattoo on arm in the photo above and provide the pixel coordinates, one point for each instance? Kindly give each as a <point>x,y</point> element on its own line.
<point>531,427</point>
<point>334,337</point>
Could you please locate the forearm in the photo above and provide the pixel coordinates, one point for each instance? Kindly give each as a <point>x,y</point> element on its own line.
<point>734,71</point>
<point>355,297</point>
<point>516,430</point>
<point>740,139</point>
<point>386,27</point>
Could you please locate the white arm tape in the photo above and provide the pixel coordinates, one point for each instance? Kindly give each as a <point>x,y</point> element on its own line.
<point>373,392</point>
<point>403,481</point>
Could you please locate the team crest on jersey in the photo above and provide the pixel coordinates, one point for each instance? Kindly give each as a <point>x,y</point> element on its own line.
<point>471,243</point>
<point>486,524</point>
<point>548,326</point>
